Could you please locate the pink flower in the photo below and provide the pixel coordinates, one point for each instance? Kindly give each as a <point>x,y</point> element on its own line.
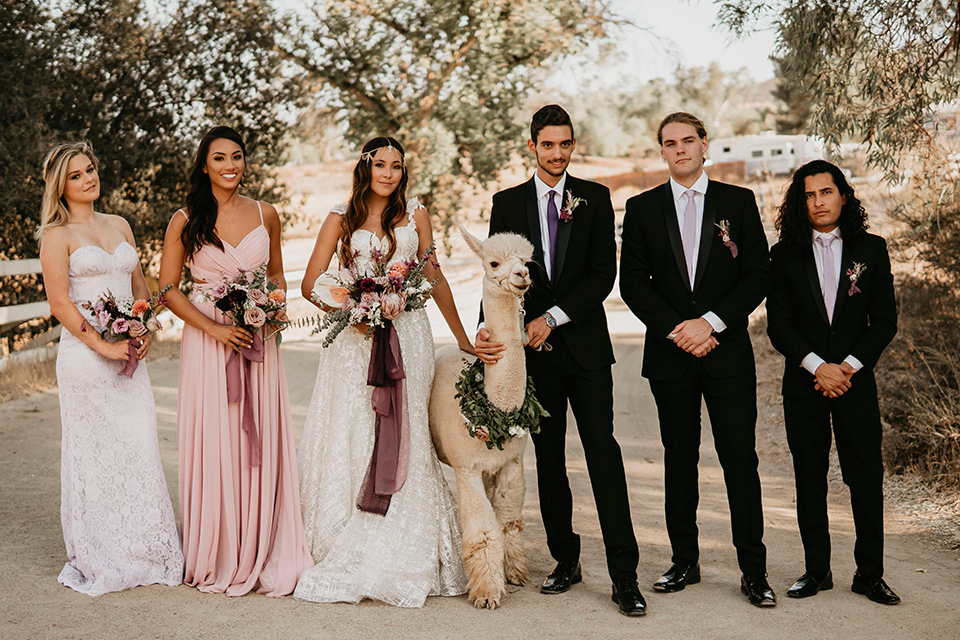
<point>348,303</point>
<point>120,326</point>
<point>250,276</point>
<point>369,298</point>
<point>391,305</point>
<point>277,295</point>
<point>98,306</point>
<point>398,269</point>
<point>254,316</point>
<point>219,291</point>
<point>140,307</point>
<point>137,328</point>
<point>103,318</point>
<point>258,297</point>
<point>153,324</point>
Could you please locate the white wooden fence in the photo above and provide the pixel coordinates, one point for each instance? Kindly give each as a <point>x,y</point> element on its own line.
<point>14,315</point>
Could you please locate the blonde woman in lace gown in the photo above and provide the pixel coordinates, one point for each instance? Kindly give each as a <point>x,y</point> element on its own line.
<point>239,500</point>
<point>413,550</point>
<point>118,523</point>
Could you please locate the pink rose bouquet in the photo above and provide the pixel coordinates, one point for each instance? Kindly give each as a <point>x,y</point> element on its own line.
<point>249,299</point>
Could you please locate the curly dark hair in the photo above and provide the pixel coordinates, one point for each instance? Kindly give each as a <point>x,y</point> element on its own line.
<point>551,115</point>
<point>792,223</point>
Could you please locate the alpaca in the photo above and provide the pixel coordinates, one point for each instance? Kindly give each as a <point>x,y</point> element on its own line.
<point>490,482</point>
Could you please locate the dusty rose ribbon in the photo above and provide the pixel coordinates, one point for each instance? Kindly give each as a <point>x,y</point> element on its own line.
<point>130,368</point>
<point>238,390</point>
<point>391,447</point>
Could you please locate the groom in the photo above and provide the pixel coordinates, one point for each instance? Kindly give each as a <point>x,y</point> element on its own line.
<point>693,266</point>
<point>571,225</point>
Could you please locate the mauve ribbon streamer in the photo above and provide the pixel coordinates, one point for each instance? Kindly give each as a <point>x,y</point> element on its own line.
<point>238,390</point>
<point>132,362</point>
<point>391,448</point>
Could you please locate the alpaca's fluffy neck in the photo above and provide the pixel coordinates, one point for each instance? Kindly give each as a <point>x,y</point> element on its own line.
<point>505,382</point>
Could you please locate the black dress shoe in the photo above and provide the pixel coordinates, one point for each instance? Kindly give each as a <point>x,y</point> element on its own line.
<point>875,589</point>
<point>811,583</point>
<point>677,577</point>
<point>565,575</point>
<point>758,590</point>
<point>626,593</point>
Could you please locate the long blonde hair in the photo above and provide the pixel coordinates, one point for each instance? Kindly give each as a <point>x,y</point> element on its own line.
<point>54,211</point>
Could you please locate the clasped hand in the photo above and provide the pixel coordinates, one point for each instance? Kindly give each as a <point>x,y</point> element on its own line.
<point>833,380</point>
<point>695,337</point>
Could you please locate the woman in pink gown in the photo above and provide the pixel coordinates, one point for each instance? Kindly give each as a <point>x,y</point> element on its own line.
<point>239,498</point>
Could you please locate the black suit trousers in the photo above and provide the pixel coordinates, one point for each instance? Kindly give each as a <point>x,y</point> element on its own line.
<point>732,407</point>
<point>856,426</point>
<point>559,380</point>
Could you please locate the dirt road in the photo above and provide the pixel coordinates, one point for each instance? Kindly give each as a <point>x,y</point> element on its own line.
<point>34,605</point>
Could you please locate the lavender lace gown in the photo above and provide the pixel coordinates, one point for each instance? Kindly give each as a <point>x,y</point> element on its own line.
<point>118,523</point>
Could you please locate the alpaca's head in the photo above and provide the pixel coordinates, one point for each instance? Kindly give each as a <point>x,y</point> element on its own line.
<point>505,257</point>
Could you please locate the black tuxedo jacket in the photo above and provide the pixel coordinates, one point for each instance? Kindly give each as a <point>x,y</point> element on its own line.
<point>655,285</point>
<point>863,323</point>
<point>585,269</point>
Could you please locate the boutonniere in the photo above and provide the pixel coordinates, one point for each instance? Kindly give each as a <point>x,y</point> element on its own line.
<point>854,275</point>
<point>566,214</point>
<point>724,226</point>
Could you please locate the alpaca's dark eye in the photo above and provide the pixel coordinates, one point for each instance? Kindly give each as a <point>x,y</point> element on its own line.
<point>494,264</point>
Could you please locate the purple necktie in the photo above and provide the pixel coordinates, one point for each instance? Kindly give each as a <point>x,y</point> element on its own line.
<point>689,233</point>
<point>553,221</point>
<point>829,279</point>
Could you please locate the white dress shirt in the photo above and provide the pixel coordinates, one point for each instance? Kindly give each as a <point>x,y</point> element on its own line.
<point>811,362</point>
<point>680,202</point>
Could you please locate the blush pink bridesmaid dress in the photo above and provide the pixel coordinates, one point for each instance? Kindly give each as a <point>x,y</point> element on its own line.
<point>242,527</point>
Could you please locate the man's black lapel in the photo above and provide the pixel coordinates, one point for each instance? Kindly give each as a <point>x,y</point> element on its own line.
<point>673,230</point>
<point>563,228</point>
<point>533,220</point>
<point>706,235</point>
<point>848,256</point>
<point>810,266</point>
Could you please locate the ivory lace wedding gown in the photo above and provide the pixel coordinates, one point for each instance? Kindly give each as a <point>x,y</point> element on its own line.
<point>414,551</point>
<point>117,519</point>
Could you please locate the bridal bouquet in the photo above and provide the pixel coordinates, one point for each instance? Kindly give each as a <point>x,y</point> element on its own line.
<point>375,298</point>
<point>250,300</point>
<point>125,318</point>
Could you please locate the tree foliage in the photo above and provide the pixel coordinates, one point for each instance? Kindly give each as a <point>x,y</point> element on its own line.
<point>446,77</point>
<point>878,71</point>
<point>142,86</point>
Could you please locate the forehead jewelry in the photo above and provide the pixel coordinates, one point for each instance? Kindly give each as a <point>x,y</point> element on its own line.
<point>368,155</point>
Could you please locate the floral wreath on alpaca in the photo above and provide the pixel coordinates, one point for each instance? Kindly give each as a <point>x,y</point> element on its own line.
<point>486,422</point>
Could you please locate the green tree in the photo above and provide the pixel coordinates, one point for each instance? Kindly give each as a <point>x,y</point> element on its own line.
<point>446,77</point>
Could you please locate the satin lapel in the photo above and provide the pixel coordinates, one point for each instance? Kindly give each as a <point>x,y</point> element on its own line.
<point>810,266</point>
<point>563,229</point>
<point>673,230</point>
<point>706,236</point>
<point>847,257</point>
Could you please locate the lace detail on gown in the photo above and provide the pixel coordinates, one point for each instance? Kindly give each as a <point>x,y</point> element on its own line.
<point>118,523</point>
<point>415,550</point>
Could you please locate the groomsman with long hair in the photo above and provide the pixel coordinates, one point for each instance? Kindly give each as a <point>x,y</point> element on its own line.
<point>831,312</point>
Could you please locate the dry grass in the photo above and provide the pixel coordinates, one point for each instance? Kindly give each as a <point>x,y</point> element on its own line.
<point>22,379</point>
<point>919,380</point>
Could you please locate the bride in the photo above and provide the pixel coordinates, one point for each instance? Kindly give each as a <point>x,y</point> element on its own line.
<point>413,550</point>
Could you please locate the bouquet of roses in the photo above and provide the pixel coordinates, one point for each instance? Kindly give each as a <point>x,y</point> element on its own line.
<point>125,318</point>
<point>375,298</point>
<point>250,300</point>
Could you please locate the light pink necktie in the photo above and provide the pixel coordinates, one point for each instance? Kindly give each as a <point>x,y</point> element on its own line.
<point>829,279</point>
<point>689,232</point>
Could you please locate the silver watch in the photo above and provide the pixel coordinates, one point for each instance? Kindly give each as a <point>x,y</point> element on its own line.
<point>551,321</point>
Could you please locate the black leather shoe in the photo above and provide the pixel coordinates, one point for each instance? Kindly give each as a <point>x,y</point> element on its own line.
<point>810,584</point>
<point>626,593</point>
<point>875,589</point>
<point>677,577</point>
<point>758,590</point>
<point>565,575</point>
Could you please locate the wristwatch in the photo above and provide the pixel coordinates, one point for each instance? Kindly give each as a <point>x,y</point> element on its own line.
<point>551,321</point>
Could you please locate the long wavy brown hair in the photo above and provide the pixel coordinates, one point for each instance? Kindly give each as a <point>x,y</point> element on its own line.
<point>357,210</point>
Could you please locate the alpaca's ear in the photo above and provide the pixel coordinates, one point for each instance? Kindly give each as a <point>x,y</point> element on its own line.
<point>472,241</point>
